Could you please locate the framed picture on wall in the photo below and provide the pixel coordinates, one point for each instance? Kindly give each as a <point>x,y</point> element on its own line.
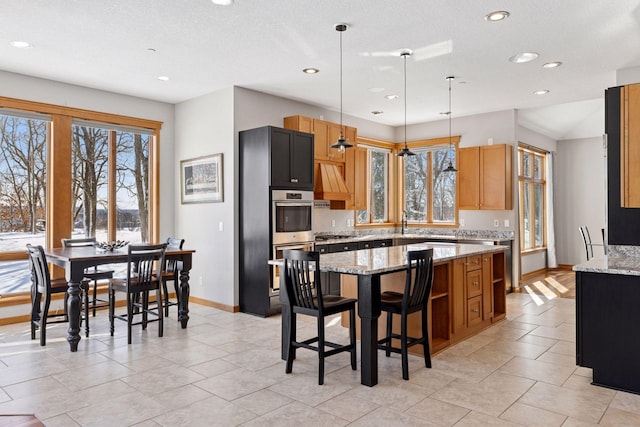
<point>201,179</point>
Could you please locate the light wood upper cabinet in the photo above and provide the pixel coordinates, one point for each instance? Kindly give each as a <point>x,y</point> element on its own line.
<point>630,146</point>
<point>485,175</point>
<point>325,135</point>
<point>356,177</point>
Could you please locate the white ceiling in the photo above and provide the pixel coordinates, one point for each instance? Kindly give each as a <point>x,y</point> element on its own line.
<point>264,45</point>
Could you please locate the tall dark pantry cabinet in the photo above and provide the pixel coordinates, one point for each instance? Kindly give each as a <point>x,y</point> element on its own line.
<point>271,158</point>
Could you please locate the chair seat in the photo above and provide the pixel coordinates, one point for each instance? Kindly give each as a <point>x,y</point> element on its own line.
<point>120,284</point>
<point>98,274</point>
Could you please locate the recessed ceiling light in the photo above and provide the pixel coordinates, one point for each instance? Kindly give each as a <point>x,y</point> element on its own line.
<point>310,70</point>
<point>163,78</point>
<point>498,15</point>
<point>222,2</point>
<point>519,58</point>
<point>21,44</point>
<point>552,64</point>
<point>541,92</point>
<point>377,112</point>
<point>391,96</point>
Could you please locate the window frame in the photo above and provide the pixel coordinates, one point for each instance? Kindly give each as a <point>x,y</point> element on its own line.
<point>380,147</point>
<point>532,181</point>
<point>428,145</point>
<point>58,204</point>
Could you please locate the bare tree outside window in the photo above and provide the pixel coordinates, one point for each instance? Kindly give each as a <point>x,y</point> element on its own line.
<point>426,168</point>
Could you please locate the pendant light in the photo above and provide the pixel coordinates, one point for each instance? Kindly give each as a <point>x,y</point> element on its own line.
<point>342,143</point>
<point>450,168</point>
<point>405,151</point>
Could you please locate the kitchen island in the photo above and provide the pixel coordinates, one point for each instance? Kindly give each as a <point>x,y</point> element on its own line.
<point>468,292</point>
<point>608,320</point>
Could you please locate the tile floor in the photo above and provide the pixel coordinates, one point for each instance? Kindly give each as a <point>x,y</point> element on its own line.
<point>225,370</point>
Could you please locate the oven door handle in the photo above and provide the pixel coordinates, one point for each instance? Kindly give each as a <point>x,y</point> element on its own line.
<point>294,204</point>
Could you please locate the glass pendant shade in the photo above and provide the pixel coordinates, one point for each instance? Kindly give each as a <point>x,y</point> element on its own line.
<point>341,144</point>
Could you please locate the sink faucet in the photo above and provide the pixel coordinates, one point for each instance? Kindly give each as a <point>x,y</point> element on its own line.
<point>404,221</point>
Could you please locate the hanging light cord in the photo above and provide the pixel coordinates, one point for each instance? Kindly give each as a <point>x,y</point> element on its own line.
<point>449,78</point>
<point>341,134</point>
<point>405,100</point>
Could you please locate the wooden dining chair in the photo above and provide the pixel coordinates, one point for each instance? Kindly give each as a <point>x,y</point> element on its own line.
<point>144,274</point>
<point>170,273</point>
<point>92,273</point>
<point>418,282</point>
<point>304,296</point>
<point>42,289</point>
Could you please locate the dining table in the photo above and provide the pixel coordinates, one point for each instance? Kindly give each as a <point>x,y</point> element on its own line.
<point>369,265</point>
<point>75,260</point>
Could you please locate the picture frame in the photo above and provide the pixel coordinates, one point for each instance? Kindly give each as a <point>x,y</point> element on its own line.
<point>201,179</point>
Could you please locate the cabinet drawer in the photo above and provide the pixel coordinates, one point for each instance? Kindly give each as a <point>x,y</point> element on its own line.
<point>370,244</point>
<point>342,247</point>
<point>474,283</point>
<point>474,262</point>
<point>323,249</point>
<point>474,310</point>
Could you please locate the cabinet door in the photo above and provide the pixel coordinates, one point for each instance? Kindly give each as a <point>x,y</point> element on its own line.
<point>474,283</point>
<point>321,136</point>
<point>281,158</point>
<point>495,177</point>
<point>630,146</point>
<point>468,174</point>
<point>299,123</point>
<point>302,160</point>
<point>474,311</point>
<point>459,297</point>
<point>487,286</point>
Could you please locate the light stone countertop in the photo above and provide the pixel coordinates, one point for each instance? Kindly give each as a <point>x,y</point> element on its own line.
<point>394,258</point>
<point>497,237</point>
<point>618,264</point>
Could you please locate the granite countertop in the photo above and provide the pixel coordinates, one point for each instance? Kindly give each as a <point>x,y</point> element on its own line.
<point>394,258</point>
<point>486,236</point>
<point>618,264</point>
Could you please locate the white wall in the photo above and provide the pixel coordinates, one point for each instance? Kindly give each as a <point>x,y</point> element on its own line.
<point>580,196</point>
<point>204,126</point>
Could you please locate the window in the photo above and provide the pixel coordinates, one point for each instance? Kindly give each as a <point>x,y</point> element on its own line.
<point>531,172</point>
<point>108,163</point>
<point>95,171</point>
<point>377,210</point>
<point>429,191</point>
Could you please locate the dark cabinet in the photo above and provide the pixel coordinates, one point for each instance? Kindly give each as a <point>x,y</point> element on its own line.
<point>291,159</point>
<point>270,158</point>
<point>372,244</point>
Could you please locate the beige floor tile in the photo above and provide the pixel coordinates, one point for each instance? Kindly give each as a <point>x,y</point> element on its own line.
<point>234,384</point>
<point>162,380</point>
<point>491,396</point>
<point>213,411</point>
<point>541,341</point>
<point>304,388</point>
<point>626,401</point>
<point>387,417</point>
<point>564,347</point>
<point>579,382</point>
<point>181,397</point>
<point>296,414</point>
<point>615,417</point>
<point>563,332</point>
<point>348,407</point>
<point>558,359</point>
<point>537,370</point>
<point>572,422</point>
<point>63,420</point>
<point>437,412</point>
<point>580,404</point>
<point>530,416</point>
<point>479,419</point>
<point>262,401</point>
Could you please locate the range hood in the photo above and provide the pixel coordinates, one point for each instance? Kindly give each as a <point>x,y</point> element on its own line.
<point>329,183</point>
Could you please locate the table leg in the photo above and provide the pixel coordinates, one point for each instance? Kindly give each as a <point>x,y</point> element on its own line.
<point>183,300</point>
<point>369,312</point>
<point>73,311</point>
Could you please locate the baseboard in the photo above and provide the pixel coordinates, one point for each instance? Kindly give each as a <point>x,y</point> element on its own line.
<point>219,306</point>
<point>563,267</point>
